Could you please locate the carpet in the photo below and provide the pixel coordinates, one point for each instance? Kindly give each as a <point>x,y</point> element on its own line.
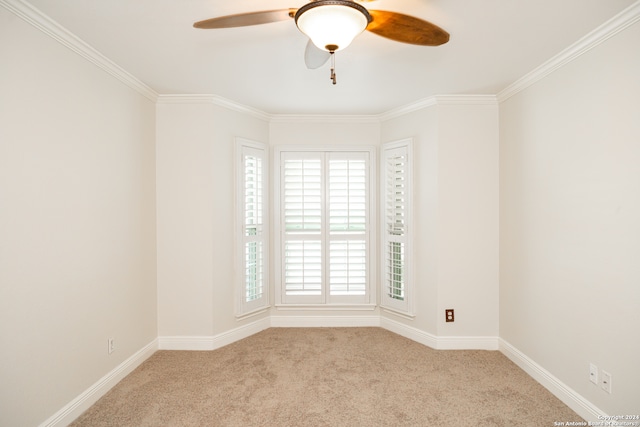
<point>327,377</point>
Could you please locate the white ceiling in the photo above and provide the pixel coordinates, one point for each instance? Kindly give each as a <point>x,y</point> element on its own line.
<point>493,43</point>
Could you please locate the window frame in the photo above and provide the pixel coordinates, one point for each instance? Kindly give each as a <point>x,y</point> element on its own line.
<point>282,301</point>
<point>244,308</point>
<point>405,307</point>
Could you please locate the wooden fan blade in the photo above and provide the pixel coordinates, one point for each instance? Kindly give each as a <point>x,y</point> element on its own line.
<point>246,19</point>
<point>314,57</point>
<point>406,29</point>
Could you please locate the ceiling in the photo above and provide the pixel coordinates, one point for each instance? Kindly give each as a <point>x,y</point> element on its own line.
<point>493,43</point>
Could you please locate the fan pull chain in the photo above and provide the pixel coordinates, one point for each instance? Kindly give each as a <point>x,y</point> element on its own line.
<point>333,67</point>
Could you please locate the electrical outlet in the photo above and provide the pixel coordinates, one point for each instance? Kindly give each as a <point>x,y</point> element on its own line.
<point>606,381</point>
<point>593,373</point>
<point>449,315</point>
<point>111,345</point>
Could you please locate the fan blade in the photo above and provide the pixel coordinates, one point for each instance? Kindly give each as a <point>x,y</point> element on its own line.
<point>314,57</point>
<point>406,29</point>
<point>246,19</point>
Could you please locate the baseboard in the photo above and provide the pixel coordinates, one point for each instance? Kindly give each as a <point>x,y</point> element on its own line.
<point>566,394</point>
<point>409,332</point>
<point>468,343</point>
<point>90,396</point>
<point>203,343</point>
<point>324,321</point>
<point>437,342</point>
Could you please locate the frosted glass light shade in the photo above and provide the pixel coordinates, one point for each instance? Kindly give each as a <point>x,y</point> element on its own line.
<point>332,25</point>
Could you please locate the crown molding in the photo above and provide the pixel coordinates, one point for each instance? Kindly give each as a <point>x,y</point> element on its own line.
<point>186,99</point>
<point>466,100</point>
<point>213,100</point>
<point>409,108</point>
<point>54,30</point>
<point>433,101</point>
<point>328,118</point>
<point>320,118</point>
<point>618,23</point>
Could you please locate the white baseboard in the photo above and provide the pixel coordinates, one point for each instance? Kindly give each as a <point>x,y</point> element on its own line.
<point>468,343</point>
<point>437,342</point>
<point>566,394</point>
<point>324,321</point>
<point>410,332</point>
<point>90,396</point>
<point>202,343</point>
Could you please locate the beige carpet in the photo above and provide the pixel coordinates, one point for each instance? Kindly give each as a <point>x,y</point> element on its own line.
<point>327,377</point>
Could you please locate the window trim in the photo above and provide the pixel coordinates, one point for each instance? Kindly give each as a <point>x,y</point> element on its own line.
<point>243,308</point>
<point>369,302</point>
<point>405,308</point>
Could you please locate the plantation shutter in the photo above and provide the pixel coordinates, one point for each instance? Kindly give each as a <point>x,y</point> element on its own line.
<point>348,223</point>
<point>252,204</point>
<point>303,197</point>
<point>396,197</point>
<point>325,227</point>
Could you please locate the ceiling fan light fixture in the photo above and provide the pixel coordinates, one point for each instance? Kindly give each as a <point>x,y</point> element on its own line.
<point>332,24</point>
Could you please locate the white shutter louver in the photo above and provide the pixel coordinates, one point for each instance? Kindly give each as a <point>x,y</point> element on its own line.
<point>396,193</point>
<point>396,206</point>
<point>253,207</point>
<point>253,227</point>
<point>254,271</point>
<point>303,267</point>
<point>347,196</point>
<point>395,267</point>
<point>347,213</point>
<point>302,193</point>
<point>253,195</point>
<point>302,196</point>
<point>348,267</point>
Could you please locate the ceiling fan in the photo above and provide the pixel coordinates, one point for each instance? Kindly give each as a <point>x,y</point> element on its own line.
<point>331,25</point>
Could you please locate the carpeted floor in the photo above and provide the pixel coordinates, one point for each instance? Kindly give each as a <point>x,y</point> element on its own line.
<point>327,377</point>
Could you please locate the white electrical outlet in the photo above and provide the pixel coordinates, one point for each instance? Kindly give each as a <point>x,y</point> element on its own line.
<point>111,345</point>
<point>606,381</point>
<point>593,373</point>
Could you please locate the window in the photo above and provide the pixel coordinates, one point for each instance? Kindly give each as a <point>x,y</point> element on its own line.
<point>325,237</point>
<point>253,227</point>
<point>396,188</point>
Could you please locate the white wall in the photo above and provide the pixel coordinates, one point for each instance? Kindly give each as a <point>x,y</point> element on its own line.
<point>322,131</point>
<point>195,205</point>
<point>468,219</point>
<point>77,223</point>
<point>455,214</point>
<point>570,221</point>
<point>422,127</point>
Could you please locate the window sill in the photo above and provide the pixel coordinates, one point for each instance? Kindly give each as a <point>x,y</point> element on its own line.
<point>252,313</point>
<point>326,307</point>
<point>402,314</point>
